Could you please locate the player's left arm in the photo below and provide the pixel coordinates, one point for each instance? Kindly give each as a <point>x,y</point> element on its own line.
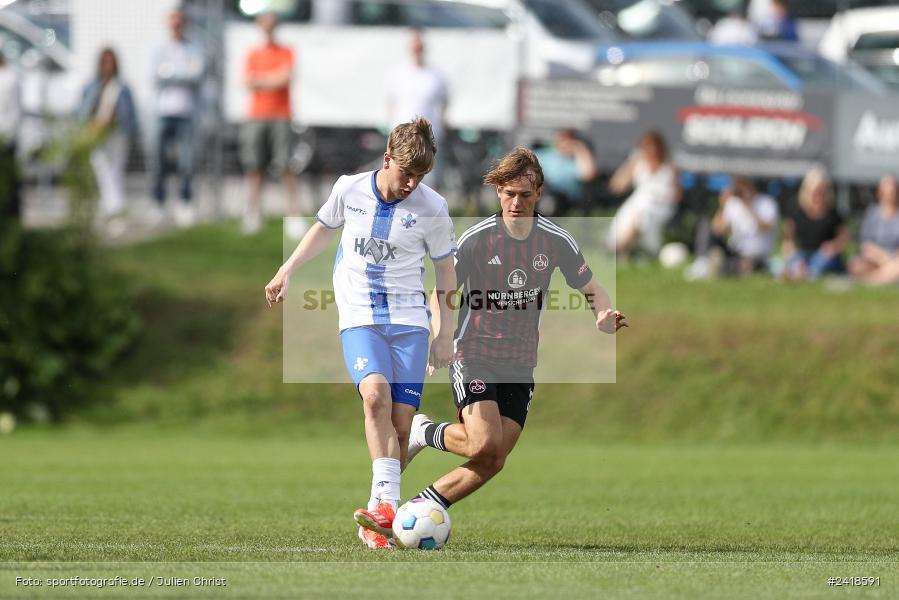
<point>579,276</point>
<point>442,304</point>
<point>607,319</point>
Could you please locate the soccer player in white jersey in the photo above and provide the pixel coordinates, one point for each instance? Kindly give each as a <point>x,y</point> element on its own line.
<point>390,222</point>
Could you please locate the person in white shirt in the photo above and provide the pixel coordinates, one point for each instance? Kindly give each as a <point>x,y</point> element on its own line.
<point>748,220</point>
<point>418,89</point>
<point>734,29</point>
<point>641,219</point>
<point>10,117</point>
<point>178,67</point>
<point>390,221</point>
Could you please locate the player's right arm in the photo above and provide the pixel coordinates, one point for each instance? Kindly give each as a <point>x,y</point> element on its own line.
<point>329,219</point>
<point>313,243</point>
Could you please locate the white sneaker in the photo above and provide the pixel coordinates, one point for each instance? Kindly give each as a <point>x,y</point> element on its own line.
<point>154,216</point>
<point>185,215</point>
<point>252,223</point>
<point>116,227</point>
<point>295,228</point>
<point>700,269</point>
<point>417,436</point>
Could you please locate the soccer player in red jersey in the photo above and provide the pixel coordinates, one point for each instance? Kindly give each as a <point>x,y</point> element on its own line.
<point>504,264</point>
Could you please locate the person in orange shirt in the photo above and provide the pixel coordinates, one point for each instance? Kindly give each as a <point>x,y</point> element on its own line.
<point>268,74</point>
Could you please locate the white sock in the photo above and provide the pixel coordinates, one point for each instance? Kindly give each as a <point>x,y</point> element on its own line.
<point>385,481</point>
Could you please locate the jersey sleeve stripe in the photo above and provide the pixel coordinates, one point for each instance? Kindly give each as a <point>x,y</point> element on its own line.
<point>475,229</point>
<point>319,219</point>
<point>567,239</point>
<point>550,225</point>
<point>447,255</point>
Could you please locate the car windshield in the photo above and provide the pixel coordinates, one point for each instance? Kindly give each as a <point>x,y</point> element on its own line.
<point>570,20</point>
<point>817,72</point>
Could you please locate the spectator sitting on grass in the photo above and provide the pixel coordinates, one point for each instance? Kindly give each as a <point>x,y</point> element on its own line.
<point>815,235</point>
<point>641,219</point>
<point>568,166</point>
<point>742,231</point>
<point>878,259</point>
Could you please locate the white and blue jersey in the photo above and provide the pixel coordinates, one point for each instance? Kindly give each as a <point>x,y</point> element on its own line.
<point>379,269</point>
<point>379,278</point>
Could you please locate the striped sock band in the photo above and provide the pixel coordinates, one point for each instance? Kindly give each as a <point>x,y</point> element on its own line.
<point>434,433</point>
<point>430,493</point>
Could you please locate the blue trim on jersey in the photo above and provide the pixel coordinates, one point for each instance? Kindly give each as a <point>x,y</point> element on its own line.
<point>337,258</point>
<point>380,307</point>
<point>377,283</point>
<point>380,227</point>
<point>447,255</point>
<point>317,218</point>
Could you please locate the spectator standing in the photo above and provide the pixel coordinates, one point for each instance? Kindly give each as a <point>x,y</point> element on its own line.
<point>418,89</point>
<point>178,67</point>
<point>267,135</point>
<point>651,175</point>
<point>107,109</point>
<point>568,165</point>
<point>878,259</point>
<point>778,24</point>
<point>815,235</point>
<point>10,117</point>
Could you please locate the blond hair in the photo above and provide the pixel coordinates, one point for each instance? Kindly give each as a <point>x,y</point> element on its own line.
<point>413,146</point>
<point>817,176</point>
<point>520,162</point>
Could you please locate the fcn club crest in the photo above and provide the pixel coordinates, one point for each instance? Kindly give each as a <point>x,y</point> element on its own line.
<point>477,386</point>
<point>540,262</point>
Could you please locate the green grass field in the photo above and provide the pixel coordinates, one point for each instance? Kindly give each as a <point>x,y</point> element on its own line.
<point>725,360</point>
<point>565,519</point>
<point>747,450</point>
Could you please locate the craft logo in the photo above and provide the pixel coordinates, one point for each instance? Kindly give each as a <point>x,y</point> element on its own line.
<point>378,250</point>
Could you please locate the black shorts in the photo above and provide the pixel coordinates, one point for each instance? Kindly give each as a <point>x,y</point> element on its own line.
<point>510,387</point>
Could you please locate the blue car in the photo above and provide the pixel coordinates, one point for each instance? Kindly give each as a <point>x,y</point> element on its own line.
<point>765,66</point>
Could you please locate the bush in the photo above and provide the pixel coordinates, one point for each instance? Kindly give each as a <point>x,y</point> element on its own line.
<point>64,319</point>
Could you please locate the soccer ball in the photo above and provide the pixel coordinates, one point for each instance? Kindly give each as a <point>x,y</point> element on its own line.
<point>674,255</point>
<point>421,523</point>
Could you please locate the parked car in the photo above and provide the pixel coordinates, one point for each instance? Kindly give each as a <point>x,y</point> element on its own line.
<point>766,66</point>
<point>647,19</point>
<point>867,36</point>
<point>813,15</point>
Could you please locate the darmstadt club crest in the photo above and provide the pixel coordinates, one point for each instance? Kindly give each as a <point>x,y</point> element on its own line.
<point>408,221</point>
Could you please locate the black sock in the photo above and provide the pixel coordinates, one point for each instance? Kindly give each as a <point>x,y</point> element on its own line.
<point>429,493</point>
<point>434,435</point>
